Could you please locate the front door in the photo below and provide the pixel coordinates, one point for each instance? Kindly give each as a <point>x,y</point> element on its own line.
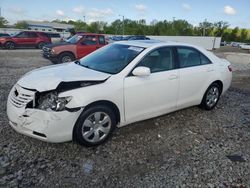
<point>156,94</point>
<point>86,45</point>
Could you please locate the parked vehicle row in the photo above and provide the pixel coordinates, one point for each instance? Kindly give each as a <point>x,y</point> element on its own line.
<point>121,83</point>
<point>130,37</point>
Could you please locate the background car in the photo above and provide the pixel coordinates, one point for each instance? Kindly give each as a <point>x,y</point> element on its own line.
<point>4,35</point>
<point>245,46</point>
<point>25,39</point>
<point>74,48</point>
<point>119,84</point>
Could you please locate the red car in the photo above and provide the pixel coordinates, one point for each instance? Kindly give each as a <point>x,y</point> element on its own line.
<point>25,39</point>
<point>76,47</point>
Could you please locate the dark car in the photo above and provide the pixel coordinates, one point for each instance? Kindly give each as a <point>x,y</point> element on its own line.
<point>138,37</point>
<point>4,35</point>
<point>25,39</point>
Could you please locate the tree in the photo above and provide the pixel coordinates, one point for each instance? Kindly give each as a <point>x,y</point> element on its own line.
<point>21,25</point>
<point>234,34</point>
<point>3,22</point>
<point>205,28</point>
<point>220,28</point>
<point>243,35</point>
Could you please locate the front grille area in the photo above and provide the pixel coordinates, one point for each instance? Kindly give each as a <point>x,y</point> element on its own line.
<point>45,49</point>
<point>20,97</point>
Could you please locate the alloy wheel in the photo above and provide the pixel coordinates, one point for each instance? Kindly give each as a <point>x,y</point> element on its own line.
<point>96,127</point>
<point>212,96</point>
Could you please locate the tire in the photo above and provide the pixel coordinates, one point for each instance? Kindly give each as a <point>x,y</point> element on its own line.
<point>66,58</point>
<point>40,45</point>
<point>89,133</point>
<point>211,97</point>
<point>9,45</point>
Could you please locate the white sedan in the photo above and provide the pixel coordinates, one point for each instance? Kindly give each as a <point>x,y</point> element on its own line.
<point>119,84</point>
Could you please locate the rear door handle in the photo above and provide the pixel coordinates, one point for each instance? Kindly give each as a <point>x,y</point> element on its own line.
<point>172,77</point>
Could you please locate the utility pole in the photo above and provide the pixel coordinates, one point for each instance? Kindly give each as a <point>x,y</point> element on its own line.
<point>122,24</point>
<point>173,23</point>
<point>0,11</point>
<point>84,20</point>
<point>204,27</point>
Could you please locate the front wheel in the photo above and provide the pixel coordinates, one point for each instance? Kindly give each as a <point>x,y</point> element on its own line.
<point>66,58</point>
<point>94,126</point>
<point>211,97</point>
<point>9,45</point>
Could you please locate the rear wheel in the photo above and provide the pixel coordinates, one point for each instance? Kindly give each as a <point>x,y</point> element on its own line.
<point>66,58</point>
<point>40,45</point>
<point>9,45</point>
<point>211,97</point>
<point>94,126</point>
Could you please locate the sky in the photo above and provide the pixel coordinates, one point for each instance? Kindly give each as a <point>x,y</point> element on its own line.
<point>235,12</point>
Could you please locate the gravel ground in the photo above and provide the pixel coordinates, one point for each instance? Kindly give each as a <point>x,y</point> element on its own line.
<point>188,148</point>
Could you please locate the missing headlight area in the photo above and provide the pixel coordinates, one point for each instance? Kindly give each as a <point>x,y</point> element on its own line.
<point>51,101</point>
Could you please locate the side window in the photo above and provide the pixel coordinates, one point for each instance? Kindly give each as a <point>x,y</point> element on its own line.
<point>101,40</point>
<point>204,60</point>
<point>188,57</point>
<point>90,40</point>
<point>22,35</point>
<point>32,35</point>
<point>159,60</point>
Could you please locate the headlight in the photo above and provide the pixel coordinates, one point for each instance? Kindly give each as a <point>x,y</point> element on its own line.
<point>52,51</point>
<point>51,101</point>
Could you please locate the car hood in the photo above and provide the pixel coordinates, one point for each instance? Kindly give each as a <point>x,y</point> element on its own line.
<point>58,44</point>
<point>48,78</point>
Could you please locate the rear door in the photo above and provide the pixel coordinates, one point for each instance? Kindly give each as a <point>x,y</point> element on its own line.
<point>86,45</point>
<point>32,37</point>
<point>196,71</point>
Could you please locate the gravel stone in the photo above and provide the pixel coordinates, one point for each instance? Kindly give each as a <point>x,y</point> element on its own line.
<point>188,148</point>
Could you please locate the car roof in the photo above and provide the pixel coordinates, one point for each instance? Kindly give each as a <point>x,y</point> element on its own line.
<point>152,43</point>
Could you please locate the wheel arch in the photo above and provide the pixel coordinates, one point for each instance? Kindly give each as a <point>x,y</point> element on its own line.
<point>220,83</point>
<point>110,104</point>
<point>67,52</point>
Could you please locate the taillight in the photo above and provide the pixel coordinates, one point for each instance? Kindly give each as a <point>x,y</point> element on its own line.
<point>230,68</point>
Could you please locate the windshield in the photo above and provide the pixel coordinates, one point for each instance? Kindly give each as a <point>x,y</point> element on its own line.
<point>112,58</point>
<point>74,39</point>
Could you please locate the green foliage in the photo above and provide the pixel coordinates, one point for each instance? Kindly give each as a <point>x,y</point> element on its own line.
<point>165,27</point>
<point>3,22</point>
<point>21,25</point>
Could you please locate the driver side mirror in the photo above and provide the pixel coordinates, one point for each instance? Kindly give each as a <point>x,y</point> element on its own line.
<point>141,71</point>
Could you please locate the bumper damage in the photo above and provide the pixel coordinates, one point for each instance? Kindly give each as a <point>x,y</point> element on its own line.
<point>46,125</point>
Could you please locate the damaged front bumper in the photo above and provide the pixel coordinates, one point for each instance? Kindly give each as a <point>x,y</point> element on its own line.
<point>50,126</point>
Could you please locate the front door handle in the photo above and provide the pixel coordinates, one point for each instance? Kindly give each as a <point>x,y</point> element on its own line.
<point>210,69</point>
<point>172,77</point>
